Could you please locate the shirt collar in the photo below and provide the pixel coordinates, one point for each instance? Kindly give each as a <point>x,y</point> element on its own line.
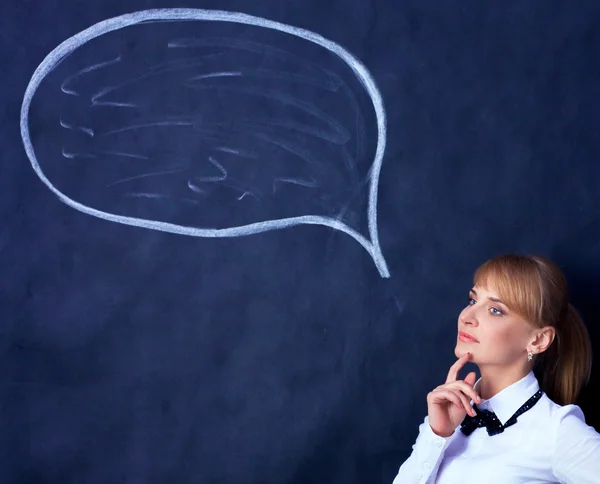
<point>505,403</point>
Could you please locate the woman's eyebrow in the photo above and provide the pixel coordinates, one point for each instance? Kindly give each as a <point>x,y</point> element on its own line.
<point>494,299</point>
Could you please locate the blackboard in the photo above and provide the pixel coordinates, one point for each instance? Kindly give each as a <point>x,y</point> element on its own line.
<point>237,235</point>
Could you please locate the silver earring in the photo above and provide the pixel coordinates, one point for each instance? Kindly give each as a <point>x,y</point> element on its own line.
<point>529,355</point>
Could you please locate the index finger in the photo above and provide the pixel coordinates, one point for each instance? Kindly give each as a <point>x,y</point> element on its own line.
<point>455,368</point>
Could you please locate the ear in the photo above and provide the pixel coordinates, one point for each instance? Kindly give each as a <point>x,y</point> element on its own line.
<point>542,339</point>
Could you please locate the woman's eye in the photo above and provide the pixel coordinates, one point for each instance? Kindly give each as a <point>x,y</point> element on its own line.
<point>496,311</point>
<point>471,301</point>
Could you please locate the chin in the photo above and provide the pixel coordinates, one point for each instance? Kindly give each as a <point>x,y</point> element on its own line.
<point>460,350</point>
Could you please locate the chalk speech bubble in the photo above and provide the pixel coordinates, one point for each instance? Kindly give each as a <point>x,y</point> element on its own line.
<point>279,115</point>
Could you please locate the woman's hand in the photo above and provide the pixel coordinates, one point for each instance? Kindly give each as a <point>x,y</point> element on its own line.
<point>448,404</point>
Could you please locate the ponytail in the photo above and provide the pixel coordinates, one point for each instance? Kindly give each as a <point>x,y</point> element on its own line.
<point>566,365</point>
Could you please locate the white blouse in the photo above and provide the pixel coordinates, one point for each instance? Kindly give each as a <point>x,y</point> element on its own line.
<point>549,443</point>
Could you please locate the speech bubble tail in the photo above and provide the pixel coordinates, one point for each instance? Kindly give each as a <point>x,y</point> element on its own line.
<point>372,248</point>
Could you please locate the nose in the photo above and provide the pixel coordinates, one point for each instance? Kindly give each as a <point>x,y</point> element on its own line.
<point>468,316</point>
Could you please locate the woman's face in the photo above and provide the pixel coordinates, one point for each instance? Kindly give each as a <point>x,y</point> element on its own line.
<point>500,337</point>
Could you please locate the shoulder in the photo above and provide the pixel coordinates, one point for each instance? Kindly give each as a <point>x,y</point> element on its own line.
<point>561,414</point>
<point>547,420</point>
<point>576,445</point>
<point>564,420</point>
<point>552,431</point>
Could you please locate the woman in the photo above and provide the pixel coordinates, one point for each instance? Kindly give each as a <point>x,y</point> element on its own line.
<point>507,428</point>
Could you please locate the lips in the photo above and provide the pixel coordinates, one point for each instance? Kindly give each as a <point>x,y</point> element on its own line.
<point>467,337</point>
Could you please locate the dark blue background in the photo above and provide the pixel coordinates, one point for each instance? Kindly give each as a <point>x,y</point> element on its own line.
<point>134,356</point>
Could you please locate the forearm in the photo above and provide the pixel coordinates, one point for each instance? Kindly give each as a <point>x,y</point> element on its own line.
<point>428,452</point>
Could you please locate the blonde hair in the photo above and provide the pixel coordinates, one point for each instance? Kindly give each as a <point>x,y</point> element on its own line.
<point>536,289</point>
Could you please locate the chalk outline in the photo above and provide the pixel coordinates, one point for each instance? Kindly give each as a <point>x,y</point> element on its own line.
<point>54,58</point>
